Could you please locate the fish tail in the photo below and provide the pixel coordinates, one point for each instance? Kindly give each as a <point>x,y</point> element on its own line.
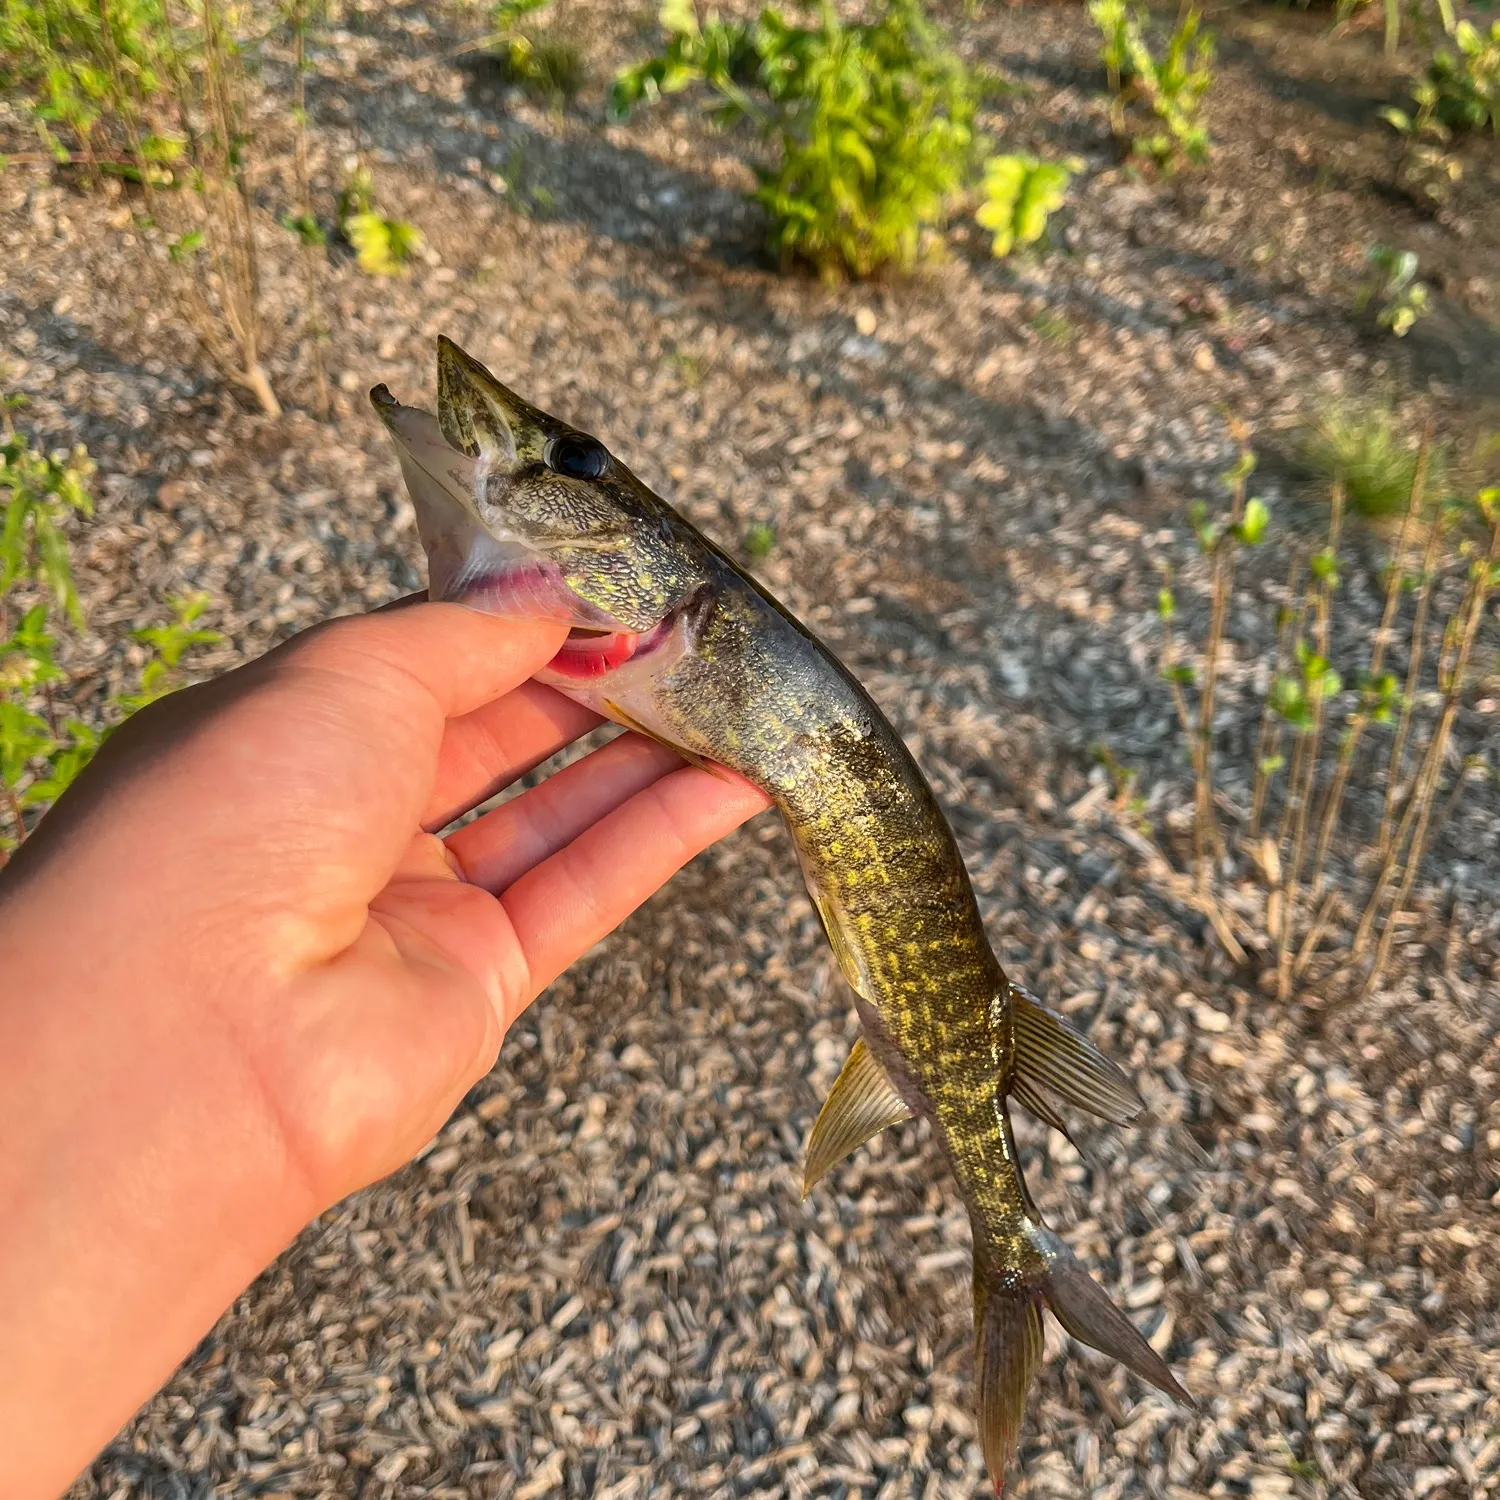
<point>1007,1349</point>
<point>1008,1338</point>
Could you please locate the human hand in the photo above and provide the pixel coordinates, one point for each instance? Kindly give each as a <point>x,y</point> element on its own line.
<point>245,976</point>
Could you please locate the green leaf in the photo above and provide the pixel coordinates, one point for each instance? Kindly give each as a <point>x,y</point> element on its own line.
<point>1253,524</point>
<point>305,227</point>
<point>1324,566</point>
<point>679,18</point>
<point>184,246</point>
<point>382,246</point>
<point>24,738</point>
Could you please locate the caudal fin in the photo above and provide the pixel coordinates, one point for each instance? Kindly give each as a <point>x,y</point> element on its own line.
<point>1084,1308</point>
<point>1007,1349</point>
<point>1008,1340</point>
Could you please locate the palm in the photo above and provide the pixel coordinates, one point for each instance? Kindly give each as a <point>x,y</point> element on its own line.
<point>414,953</point>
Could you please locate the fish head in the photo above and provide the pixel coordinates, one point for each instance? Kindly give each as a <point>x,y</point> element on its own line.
<point>522,514</point>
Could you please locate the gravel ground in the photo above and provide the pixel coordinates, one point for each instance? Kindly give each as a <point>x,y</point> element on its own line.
<point>600,1280</point>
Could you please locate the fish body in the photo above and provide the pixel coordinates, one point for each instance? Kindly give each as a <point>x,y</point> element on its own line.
<point>526,516</point>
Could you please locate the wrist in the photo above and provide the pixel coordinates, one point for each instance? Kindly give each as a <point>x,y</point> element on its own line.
<point>145,1182</point>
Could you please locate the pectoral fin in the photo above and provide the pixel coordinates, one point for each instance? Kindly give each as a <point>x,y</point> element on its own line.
<point>862,1102</point>
<point>1051,1053</point>
<point>845,952</point>
<point>628,721</point>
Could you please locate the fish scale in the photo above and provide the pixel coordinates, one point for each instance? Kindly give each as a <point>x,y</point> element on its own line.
<point>522,514</point>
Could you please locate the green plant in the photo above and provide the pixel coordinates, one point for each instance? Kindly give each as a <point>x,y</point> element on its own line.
<point>1404,841</point>
<point>1467,86</point>
<point>1020,193</point>
<point>1054,325</point>
<point>1423,170</point>
<point>1309,710</point>
<point>1366,450</point>
<point>1172,88</point>
<point>42,491</point>
<point>544,63</point>
<point>760,540</point>
<point>311,239</point>
<point>90,74</point>
<point>1415,13</point>
<point>872,125</point>
<point>41,751</point>
<point>382,246</point>
<point>141,90</point>
<point>1392,289</point>
<point>1219,540</point>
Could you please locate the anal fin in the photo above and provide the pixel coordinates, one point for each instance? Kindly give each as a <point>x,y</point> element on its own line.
<point>861,1103</point>
<point>1050,1052</point>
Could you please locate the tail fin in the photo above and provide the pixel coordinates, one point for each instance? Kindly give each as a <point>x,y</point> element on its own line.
<point>1007,1350</point>
<point>1008,1340</point>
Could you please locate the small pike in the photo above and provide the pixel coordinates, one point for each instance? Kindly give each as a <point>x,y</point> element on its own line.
<point>526,516</point>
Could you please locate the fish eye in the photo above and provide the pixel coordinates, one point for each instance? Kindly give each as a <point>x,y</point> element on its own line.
<point>576,455</point>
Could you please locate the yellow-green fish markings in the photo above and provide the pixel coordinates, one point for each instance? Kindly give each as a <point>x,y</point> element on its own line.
<point>524,515</point>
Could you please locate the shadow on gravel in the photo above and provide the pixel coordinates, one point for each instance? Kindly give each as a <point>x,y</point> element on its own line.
<point>615,191</point>
<point>1353,107</point>
<point>577,177</point>
<point>1454,346</point>
<point>66,347</point>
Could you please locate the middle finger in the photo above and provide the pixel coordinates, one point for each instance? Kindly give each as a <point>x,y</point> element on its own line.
<point>486,750</point>
<point>497,849</point>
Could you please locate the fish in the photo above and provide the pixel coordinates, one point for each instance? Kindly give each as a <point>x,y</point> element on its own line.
<point>521,514</point>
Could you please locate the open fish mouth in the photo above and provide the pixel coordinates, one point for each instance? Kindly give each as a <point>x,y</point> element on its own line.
<point>471,562</point>
<point>593,653</point>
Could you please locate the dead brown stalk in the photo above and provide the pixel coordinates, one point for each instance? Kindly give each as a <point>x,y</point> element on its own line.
<point>1268,740</point>
<point>317,329</point>
<point>1359,721</point>
<point>1207,842</point>
<point>1304,775</point>
<point>1408,699</point>
<point>222,308</point>
<point>1459,637</point>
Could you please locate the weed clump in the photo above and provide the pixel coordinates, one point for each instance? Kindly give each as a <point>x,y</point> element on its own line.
<point>547,64</point>
<point>1020,193</point>
<point>1369,455</point>
<point>155,97</point>
<point>1264,880</point>
<point>42,746</point>
<point>1392,290</point>
<point>1171,87</point>
<point>383,246</point>
<point>91,75</point>
<point>1466,84</point>
<point>871,125</point>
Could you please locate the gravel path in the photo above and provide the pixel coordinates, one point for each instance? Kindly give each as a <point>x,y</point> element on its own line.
<point>599,1280</point>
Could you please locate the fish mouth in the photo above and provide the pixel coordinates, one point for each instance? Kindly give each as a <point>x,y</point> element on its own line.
<point>595,653</point>
<point>446,462</point>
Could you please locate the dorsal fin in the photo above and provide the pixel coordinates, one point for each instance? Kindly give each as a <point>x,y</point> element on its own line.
<point>1050,1052</point>
<point>861,1103</point>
